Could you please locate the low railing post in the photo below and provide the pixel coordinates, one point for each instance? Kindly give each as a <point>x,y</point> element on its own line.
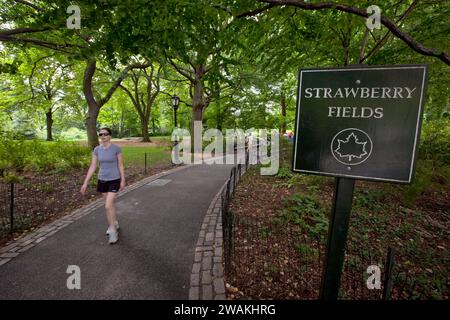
<point>225,226</point>
<point>234,180</point>
<point>388,279</point>
<point>145,162</point>
<point>11,209</point>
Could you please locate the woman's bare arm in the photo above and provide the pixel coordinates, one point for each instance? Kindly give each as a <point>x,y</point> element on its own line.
<point>92,168</point>
<point>122,171</point>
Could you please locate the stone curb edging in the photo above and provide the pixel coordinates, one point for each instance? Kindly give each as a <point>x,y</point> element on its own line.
<point>14,249</point>
<point>207,276</point>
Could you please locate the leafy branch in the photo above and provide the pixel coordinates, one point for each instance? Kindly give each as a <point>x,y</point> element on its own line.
<point>393,28</point>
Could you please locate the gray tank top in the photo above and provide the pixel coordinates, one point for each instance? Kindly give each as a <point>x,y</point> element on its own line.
<point>109,165</point>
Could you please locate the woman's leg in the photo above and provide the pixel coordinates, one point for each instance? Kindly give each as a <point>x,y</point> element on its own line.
<point>110,209</point>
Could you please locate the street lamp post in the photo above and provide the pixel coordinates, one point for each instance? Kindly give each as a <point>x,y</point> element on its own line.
<point>236,113</point>
<point>175,103</point>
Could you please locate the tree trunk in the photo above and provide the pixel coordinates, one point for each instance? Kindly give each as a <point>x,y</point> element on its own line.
<point>197,115</point>
<point>219,118</point>
<point>363,45</point>
<point>121,124</point>
<point>346,47</point>
<point>145,136</point>
<point>198,99</point>
<point>91,125</point>
<point>283,114</point>
<point>49,121</point>
<point>93,106</point>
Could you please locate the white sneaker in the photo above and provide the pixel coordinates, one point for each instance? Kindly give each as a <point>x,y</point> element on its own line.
<point>113,236</point>
<point>117,228</point>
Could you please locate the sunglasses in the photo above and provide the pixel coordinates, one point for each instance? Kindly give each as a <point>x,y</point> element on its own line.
<point>103,134</point>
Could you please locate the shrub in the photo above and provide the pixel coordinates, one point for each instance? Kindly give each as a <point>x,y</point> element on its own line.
<point>285,172</point>
<point>433,164</point>
<point>12,155</point>
<point>72,155</point>
<point>73,134</point>
<point>435,141</point>
<point>307,212</point>
<point>17,155</point>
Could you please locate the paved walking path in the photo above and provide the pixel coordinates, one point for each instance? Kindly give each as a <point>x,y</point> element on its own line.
<point>160,223</point>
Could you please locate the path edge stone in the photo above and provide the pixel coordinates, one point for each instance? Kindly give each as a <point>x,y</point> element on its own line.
<point>207,276</point>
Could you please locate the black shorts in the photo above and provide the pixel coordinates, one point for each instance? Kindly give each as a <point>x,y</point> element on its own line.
<point>108,186</point>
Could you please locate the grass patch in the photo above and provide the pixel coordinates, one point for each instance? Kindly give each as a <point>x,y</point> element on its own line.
<point>136,155</point>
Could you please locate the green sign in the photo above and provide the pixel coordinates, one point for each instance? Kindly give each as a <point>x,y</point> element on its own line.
<point>359,122</point>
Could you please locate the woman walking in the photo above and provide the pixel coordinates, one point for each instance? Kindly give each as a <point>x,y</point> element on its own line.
<point>111,178</point>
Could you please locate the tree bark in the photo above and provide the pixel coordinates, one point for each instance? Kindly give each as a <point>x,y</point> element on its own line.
<point>363,46</point>
<point>49,122</point>
<point>149,103</point>
<point>283,114</point>
<point>93,106</point>
<point>219,117</point>
<point>197,108</point>
<point>91,126</point>
<point>145,135</point>
<point>197,114</point>
<point>198,99</point>
<point>121,124</point>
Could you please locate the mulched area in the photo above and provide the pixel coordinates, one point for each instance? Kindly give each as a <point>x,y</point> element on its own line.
<point>278,260</point>
<point>42,198</point>
<point>265,259</point>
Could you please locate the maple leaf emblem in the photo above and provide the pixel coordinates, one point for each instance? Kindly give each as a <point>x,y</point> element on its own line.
<point>351,147</point>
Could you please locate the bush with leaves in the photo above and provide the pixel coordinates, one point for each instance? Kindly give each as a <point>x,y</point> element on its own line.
<point>307,212</point>
<point>433,165</point>
<point>18,155</point>
<point>435,141</point>
<point>12,155</point>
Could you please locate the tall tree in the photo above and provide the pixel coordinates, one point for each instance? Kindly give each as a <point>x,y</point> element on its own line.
<point>47,79</point>
<point>44,24</point>
<point>143,99</point>
<point>95,103</point>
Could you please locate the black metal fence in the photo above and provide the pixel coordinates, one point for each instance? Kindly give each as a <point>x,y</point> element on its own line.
<point>289,264</point>
<point>265,263</point>
<point>227,216</point>
<point>28,201</point>
<point>269,259</point>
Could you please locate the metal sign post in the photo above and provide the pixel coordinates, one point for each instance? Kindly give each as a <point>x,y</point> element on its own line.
<point>337,237</point>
